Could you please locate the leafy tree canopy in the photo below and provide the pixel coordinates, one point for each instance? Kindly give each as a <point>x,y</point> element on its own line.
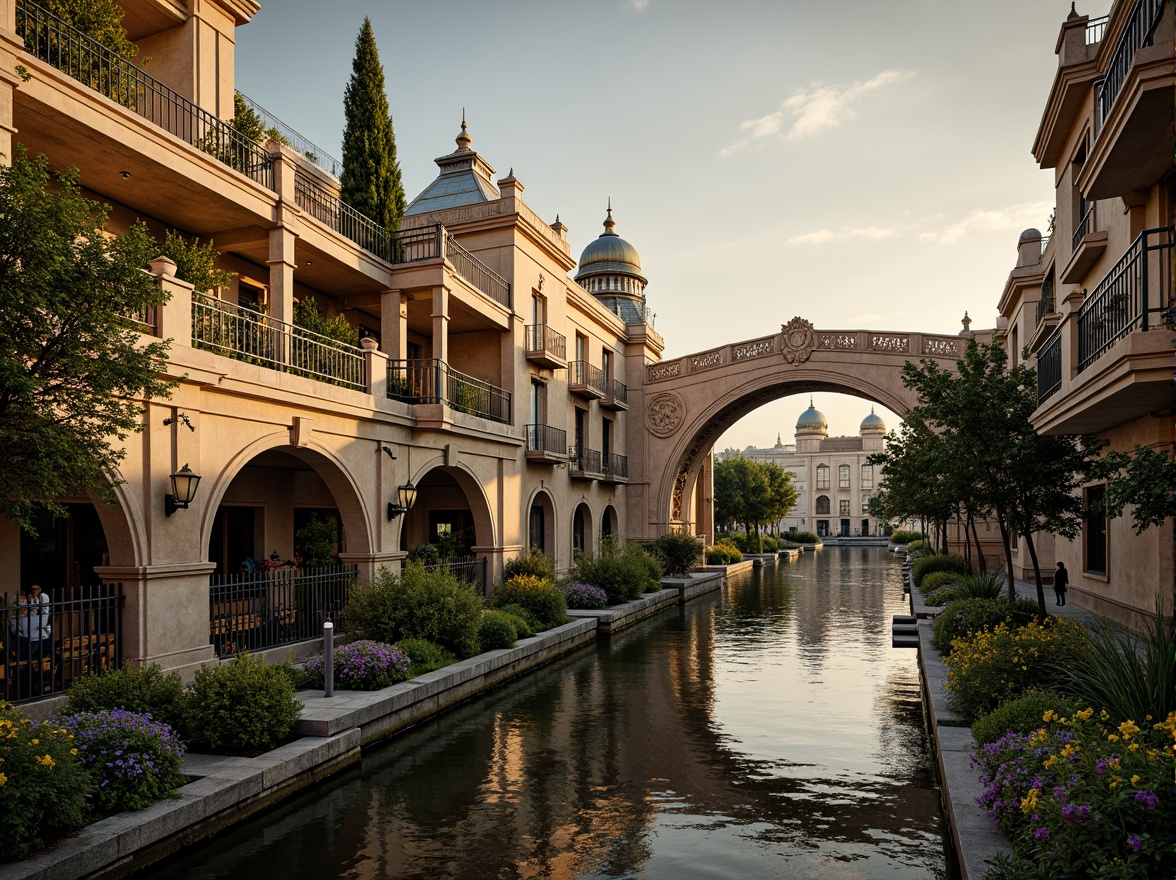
<point>73,370</point>
<point>371,181</point>
<point>101,20</point>
<point>196,262</point>
<point>752,492</point>
<point>1144,479</point>
<point>307,316</point>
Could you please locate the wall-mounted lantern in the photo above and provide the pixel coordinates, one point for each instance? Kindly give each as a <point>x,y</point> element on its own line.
<point>407,496</point>
<point>183,490</point>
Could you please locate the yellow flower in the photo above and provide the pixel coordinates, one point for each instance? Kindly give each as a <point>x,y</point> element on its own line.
<point>1134,747</point>
<point>73,751</point>
<point>3,779</point>
<point>1113,738</point>
<point>1084,715</point>
<point>35,742</point>
<point>47,761</point>
<point>1128,729</point>
<point>1135,779</point>
<point>1049,716</point>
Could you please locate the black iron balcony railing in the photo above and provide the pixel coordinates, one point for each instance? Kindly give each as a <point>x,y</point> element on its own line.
<point>311,151</point>
<point>269,607</point>
<point>331,211</point>
<point>587,377</point>
<point>1085,225</point>
<point>618,394</point>
<point>78,56</point>
<point>1045,305</point>
<point>50,644</point>
<point>476,272</point>
<point>615,466</point>
<point>1133,294</point>
<point>256,338</point>
<point>584,461</point>
<point>1139,31</point>
<point>430,380</point>
<point>546,439</point>
<point>1095,28</point>
<point>1049,367</point>
<point>541,339</point>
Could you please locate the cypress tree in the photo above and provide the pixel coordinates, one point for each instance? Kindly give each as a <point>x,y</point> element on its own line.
<point>371,175</point>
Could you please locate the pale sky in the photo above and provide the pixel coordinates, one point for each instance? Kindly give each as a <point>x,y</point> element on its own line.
<point>864,165</point>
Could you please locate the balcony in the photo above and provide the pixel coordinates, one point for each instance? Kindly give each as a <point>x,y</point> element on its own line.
<point>617,397</point>
<point>432,381</point>
<point>615,468</point>
<point>547,444</point>
<point>1049,368</point>
<point>252,337</point>
<point>584,464</point>
<point>586,380</point>
<point>1089,246</point>
<point>1132,295</point>
<point>546,348</point>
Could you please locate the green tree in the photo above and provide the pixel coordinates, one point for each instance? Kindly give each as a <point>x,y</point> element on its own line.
<point>196,262</point>
<point>370,182</point>
<point>101,20</point>
<point>307,316</point>
<point>1144,479</point>
<point>73,370</point>
<point>914,484</point>
<point>752,492</point>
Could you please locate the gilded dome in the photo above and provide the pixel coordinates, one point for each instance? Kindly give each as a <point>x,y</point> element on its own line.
<point>873,424</point>
<point>812,419</point>
<point>609,254</point>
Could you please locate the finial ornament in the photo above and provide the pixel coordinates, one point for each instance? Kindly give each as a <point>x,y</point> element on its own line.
<point>609,222</point>
<point>463,140</point>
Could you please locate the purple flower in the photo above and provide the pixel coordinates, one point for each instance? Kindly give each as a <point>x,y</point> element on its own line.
<point>1146,801</point>
<point>1135,843</point>
<point>1043,834</point>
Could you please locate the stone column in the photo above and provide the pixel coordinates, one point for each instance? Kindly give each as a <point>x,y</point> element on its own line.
<point>704,504</point>
<point>441,323</point>
<point>174,320</point>
<point>394,324</point>
<point>375,368</point>
<point>281,264</point>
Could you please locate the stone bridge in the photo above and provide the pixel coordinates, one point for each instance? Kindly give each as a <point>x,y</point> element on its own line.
<point>688,403</point>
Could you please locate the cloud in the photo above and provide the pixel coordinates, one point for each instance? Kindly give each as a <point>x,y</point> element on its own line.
<point>1014,217</point>
<point>824,236</point>
<point>638,5</point>
<point>813,109</point>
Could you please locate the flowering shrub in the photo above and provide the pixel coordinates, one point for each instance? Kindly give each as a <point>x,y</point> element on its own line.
<point>952,562</point>
<point>998,664</point>
<point>538,595</point>
<point>132,760</point>
<point>962,618</point>
<point>585,596</point>
<point>361,666</point>
<point>43,786</point>
<point>1079,797</point>
<point>134,688</point>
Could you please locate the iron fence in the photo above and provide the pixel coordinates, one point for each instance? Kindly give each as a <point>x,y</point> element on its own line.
<point>430,380</point>
<point>1045,305</point>
<point>477,273</point>
<point>469,569</point>
<point>545,438</point>
<point>584,375</point>
<point>543,339</point>
<point>256,610</point>
<point>49,644</point>
<point>335,214</point>
<point>583,460</point>
<point>1122,301</point>
<point>1085,226</point>
<point>1140,28</point>
<point>1049,367</point>
<point>310,151</point>
<point>615,466</point>
<point>619,394</point>
<point>78,56</point>
<point>248,335</point>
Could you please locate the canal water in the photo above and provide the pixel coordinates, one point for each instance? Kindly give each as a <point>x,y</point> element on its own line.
<point>767,731</point>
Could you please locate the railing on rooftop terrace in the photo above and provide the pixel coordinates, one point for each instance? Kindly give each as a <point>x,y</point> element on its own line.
<point>331,211</point>
<point>1085,226</point>
<point>1049,367</point>
<point>1140,28</point>
<point>310,151</point>
<point>77,55</point>
<point>256,338</point>
<point>1095,28</point>
<point>476,272</point>
<point>1123,300</point>
<point>430,380</point>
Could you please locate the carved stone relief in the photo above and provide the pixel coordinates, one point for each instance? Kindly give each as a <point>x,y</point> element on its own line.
<point>704,361</point>
<point>665,414</point>
<point>665,371</point>
<point>797,340</point>
<point>751,350</point>
<point>837,341</point>
<point>896,344</point>
<point>941,346</point>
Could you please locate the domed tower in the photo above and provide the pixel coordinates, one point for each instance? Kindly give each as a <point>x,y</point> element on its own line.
<point>811,429</point>
<point>610,269</point>
<point>872,431</point>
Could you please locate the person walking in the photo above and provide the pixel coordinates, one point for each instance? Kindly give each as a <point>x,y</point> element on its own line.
<point>1061,581</point>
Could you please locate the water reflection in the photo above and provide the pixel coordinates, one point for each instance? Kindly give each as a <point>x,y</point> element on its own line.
<point>769,732</point>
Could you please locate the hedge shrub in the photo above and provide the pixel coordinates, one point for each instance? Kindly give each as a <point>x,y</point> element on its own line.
<point>585,596</point>
<point>939,562</point>
<point>678,552</point>
<point>538,595</point>
<point>904,536</point>
<point>526,615</point>
<point>623,574</point>
<point>134,688</point>
<point>497,630</point>
<point>962,618</point>
<point>425,656</point>
<point>416,604</point>
<point>536,563</point>
<point>241,708</point>
<point>932,584</point>
<point>723,553</point>
<point>804,537</point>
<point>1024,714</point>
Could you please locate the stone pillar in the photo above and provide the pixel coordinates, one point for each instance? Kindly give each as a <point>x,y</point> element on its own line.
<point>394,324</point>
<point>441,323</point>
<point>8,85</point>
<point>375,368</point>
<point>369,564</point>
<point>704,504</point>
<point>281,262</point>
<point>174,320</point>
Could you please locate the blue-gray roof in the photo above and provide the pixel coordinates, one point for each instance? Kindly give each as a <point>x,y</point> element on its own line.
<point>452,190</point>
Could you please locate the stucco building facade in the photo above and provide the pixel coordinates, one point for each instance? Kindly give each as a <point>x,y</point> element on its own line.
<point>1090,304</point>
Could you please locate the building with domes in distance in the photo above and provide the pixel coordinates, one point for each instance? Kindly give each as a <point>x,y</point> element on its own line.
<point>832,475</point>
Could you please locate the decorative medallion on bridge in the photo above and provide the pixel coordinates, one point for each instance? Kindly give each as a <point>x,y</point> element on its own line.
<point>665,414</point>
<point>797,340</point>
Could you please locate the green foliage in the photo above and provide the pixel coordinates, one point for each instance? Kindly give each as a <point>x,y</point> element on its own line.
<point>1002,663</point>
<point>196,262</point>
<point>43,787</point>
<point>526,616</point>
<point>936,587</point>
<point>986,585</point>
<point>242,708</point>
<point>623,573</point>
<point>523,629</point>
<point>248,123</point>
<point>134,688</point>
<point>770,544</point>
<point>723,553</point>
<point>73,370</point>
<point>100,20</point>
<point>805,537</point>
<point>540,596</point>
<point>752,492</point>
<point>904,536</point>
<point>425,554</point>
<point>1127,676</point>
<point>371,181</point>
<point>963,618</point>
<point>496,630</point>
<point>296,675</point>
<point>535,563</point>
<point>1143,479</point>
<point>338,329</point>
<point>1021,715</point>
<point>952,562</point>
<point>416,604</point>
<point>426,656</point>
<point>315,541</point>
<point>678,552</point>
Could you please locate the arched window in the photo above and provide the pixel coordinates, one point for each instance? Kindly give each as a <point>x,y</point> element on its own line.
<point>823,500</point>
<point>823,477</point>
<point>842,476</point>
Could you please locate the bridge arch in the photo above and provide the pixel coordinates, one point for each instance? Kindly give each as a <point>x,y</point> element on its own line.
<point>689,402</point>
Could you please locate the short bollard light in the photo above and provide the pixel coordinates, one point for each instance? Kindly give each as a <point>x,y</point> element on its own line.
<point>328,659</point>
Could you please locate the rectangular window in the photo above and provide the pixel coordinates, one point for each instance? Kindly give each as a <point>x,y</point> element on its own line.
<point>822,476</point>
<point>1095,532</point>
<point>605,438</point>
<point>843,507</point>
<point>865,504</point>
<point>536,403</point>
<point>867,476</point>
<point>843,476</point>
<point>581,347</point>
<point>606,367</point>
